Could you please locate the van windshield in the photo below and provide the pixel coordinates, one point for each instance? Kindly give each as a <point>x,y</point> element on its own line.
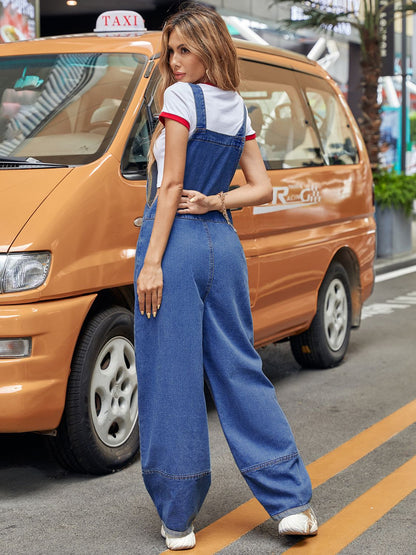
<point>64,108</point>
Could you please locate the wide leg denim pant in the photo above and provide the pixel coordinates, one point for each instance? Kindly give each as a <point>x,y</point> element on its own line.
<point>203,332</point>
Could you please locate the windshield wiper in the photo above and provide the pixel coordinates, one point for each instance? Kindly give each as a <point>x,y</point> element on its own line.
<point>28,162</point>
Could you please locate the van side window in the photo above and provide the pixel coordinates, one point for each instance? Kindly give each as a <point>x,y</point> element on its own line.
<point>134,161</point>
<point>278,114</point>
<point>333,126</point>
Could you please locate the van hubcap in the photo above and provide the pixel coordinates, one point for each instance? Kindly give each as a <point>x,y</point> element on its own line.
<point>336,314</point>
<point>113,393</point>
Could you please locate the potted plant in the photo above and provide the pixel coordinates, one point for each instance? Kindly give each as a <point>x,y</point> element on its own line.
<point>393,194</point>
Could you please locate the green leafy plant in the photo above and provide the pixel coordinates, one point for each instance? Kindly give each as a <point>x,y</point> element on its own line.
<point>392,189</point>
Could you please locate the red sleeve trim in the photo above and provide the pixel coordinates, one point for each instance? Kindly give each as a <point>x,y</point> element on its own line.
<point>250,137</point>
<point>183,121</point>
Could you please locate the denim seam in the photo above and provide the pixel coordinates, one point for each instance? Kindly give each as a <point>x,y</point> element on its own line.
<point>266,464</point>
<point>218,143</point>
<point>180,476</point>
<point>189,217</point>
<point>289,512</point>
<point>222,140</point>
<point>211,263</point>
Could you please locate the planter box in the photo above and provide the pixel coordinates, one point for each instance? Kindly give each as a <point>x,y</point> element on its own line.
<point>394,232</point>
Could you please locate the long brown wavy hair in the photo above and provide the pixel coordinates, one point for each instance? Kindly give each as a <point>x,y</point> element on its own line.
<point>206,35</point>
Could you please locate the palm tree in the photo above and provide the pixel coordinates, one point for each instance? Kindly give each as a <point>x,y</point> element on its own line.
<point>369,24</point>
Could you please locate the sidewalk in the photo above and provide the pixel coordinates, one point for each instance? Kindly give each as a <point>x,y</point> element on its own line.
<point>384,265</point>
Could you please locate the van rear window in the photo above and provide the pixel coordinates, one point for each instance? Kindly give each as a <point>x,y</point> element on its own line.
<point>292,133</point>
<point>334,128</point>
<point>279,117</point>
<point>64,108</point>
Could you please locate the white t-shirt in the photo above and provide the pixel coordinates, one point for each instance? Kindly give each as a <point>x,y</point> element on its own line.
<point>224,114</point>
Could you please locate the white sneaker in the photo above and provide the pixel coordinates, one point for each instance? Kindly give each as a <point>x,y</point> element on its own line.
<point>301,524</point>
<point>177,544</point>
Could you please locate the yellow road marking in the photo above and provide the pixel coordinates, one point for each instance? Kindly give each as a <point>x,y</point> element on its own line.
<point>362,513</point>
<point>360,445</point>
<point>229,528</point>
<point>246,517</point>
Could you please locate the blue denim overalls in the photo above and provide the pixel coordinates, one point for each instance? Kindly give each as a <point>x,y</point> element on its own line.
<point>204,330</point>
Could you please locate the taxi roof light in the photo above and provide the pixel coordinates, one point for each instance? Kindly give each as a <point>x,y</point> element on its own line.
<point>119,22</point>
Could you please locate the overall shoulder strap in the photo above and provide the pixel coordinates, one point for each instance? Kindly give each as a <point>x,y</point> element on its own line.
<point>201,121</point>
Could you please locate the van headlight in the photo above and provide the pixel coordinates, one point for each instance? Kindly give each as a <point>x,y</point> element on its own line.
<point>23,271</point>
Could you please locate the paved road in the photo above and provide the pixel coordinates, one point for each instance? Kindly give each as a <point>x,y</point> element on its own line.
<point>360,451</point>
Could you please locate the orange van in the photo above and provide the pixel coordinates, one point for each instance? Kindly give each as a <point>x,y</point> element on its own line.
<point>76,116</point>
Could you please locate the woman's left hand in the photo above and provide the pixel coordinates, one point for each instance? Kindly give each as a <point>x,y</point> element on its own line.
<point>149,289</point>
<point>193,202</point>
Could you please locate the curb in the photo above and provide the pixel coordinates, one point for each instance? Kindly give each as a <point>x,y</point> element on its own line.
<point>384,265</point>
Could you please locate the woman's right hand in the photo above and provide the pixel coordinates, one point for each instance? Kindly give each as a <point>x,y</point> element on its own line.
<point>149,289</point>
<point>193,202</point>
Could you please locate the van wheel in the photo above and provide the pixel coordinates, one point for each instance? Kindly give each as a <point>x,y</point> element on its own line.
<point>325,343</point>
<point>99,433</point>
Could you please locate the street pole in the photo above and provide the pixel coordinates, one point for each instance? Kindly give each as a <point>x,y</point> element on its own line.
<point>404,92</point>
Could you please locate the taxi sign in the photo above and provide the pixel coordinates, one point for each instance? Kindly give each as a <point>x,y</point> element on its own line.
<point>119,21</point>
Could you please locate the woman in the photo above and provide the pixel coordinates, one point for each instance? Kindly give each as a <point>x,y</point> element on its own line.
<point>193,319</point>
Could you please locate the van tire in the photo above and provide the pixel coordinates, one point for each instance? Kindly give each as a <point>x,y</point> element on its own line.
<point>325,343</point>
<point>89,440</point>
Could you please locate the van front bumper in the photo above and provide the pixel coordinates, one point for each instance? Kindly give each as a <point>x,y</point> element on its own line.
<point>33,387</point>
